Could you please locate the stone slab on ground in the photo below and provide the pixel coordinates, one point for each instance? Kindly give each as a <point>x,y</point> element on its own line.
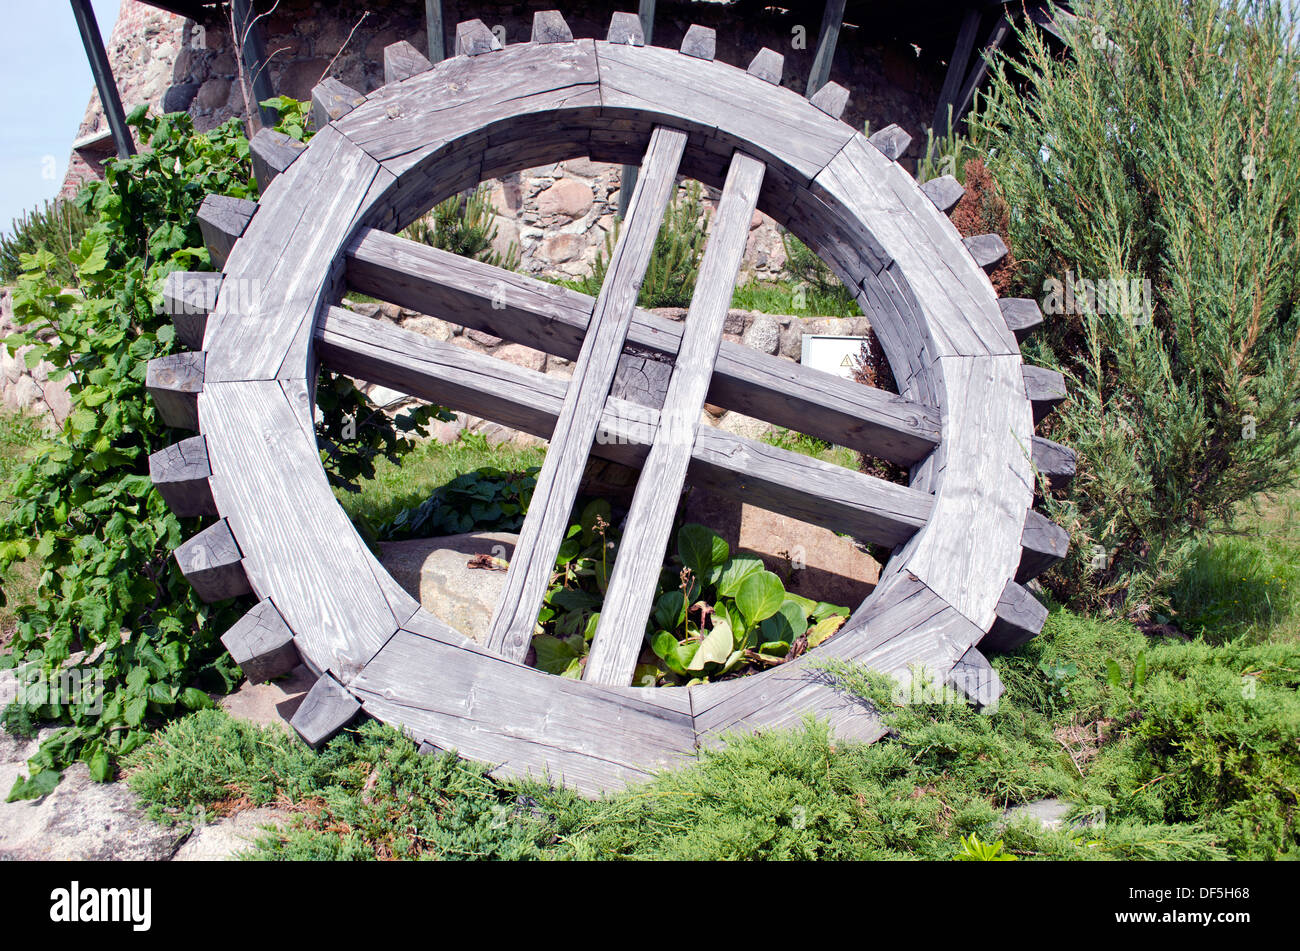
<point>436,572</point>
<point>273,703</point>
<point>230,837</point>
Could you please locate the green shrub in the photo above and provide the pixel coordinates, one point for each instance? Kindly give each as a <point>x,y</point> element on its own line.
<point>57,227</point>
<point>485,500</point>
<point>1164,147</point>
<point>463,225</point>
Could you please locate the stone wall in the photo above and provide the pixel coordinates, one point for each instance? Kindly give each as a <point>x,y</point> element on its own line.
<point>24,389</point>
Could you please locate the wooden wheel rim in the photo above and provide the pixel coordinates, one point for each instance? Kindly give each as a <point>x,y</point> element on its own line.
<point>442,130</point>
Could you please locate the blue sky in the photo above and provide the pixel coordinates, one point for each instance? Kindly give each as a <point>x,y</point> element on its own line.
<point>47,84</point>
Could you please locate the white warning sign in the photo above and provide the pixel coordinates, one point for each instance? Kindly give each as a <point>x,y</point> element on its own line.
<point>838,355</point>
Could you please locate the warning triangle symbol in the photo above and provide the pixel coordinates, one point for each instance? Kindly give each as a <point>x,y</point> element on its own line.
<point>846,362</point>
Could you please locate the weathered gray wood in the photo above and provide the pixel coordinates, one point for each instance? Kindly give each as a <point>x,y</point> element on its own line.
<point>102,69</point>
<point>952,79</point>
<point>632,584</point>
<point>776,479</point>
<point>332,100</point>
<point>945,191</point>
<point>433,30</point>
<point>892,142</point>
<point>975,78</point>
<point>211,561</point>
<point>700,42</point>
<point>625,28</point>
<point>272,152</point>
<point>976,679</point>
<point>590,737</point>
<point>305,554</point>
<point>988,250</point>
<point>768,66</point>
<point>827,37</point>
<point>557,483</point>
<point>327,709</point>
<point>554,320</point>
<point>831,99</point>
<point>189,297</point>
<point>640,378</point>
<point>1054,461</point>
<point>222,221</point>
<point>1043,543</point>
<point>1020,617</point>
<point>261,644</point>
<point>549,27</point>
<point>1022,314</point>
<point>1045,389</point>
<point>174,382</point>
<point>402,61</point>
<point>180,474</point>
<point>473,38</point>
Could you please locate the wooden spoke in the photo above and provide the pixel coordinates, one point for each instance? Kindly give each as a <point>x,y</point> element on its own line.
<point>554,319</point>
<point>649,522</point>
<point>775,479</point>
<point>593,374</point>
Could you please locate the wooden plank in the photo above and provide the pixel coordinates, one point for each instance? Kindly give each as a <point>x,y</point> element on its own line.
<point>768,477</point>
<point>554,320</point>
<point>327,709</point>
<point>975,78</point>
<point>632,584</point>
<point>1045,389</point>
<point>1022,314</point>
<point>189,297</point>
<point>768,66</point>
<point>641,378</point>
<point>174,382</point>
<point>957,63</point>
<point>211,561</point>
<point>433,28</point>
<point>473,38</point>
<point>831,99</point>
<point>402,61</point>
<point>180,473</point>
<point>1020,617</point>
<point>945,191</point>
<point>1054,461</point>
<point>700,42</point>
<point>272,153</point>
<point>1043,543</point>
<point>892,141</point>
<point>594,739</point>
<point>827,37</point>
<point>285,262</point>
<point>261,644</point>
<point>300,550</point>
<point>593,373</point>
<point>332,100</point>
<point>110,100</point>
<point>222,220</point>
<point>549,27</point>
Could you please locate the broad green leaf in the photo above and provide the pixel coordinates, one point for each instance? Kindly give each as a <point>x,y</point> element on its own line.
<point>736,570</point>
<point>702,550</point>
<point>669,610</point>
<point>714,649</point>
<point>553,654</point>
<point>786,624</point>
<point>824,629</point>
<point>759,597</point>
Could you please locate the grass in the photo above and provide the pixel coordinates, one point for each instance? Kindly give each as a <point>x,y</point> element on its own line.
<point>785,297</point>
<point>1183,765</point>
<point>811,446</point>
<point>20,436</point>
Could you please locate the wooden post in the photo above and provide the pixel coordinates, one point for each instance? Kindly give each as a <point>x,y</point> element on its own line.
<point>254,57</point>
<point>827,37</point>
<point>956,72</point>
<point>998,36</point>
<point>627,181</point>
<point>99,65</point>
<point>433,23</point>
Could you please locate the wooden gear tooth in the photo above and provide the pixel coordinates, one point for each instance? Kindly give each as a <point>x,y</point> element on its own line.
<point>180,472</point>
<point>272,153</point>
<point>212,562</point>
<point>700,42</point>
<point>473,38</point>
<point>175,382</point>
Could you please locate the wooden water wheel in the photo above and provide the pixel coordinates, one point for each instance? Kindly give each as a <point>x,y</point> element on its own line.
<point>963,533</point>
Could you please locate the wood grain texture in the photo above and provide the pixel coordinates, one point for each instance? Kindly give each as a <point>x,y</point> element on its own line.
<point>632,584</point>
<point>286,263</point>
<point>174,382</point>
<point>1022,314</point>
<point>593,374</point>
<point>212,562</point>
<point>527,723</point>
<point>892,141</point>
<point>625,28</point>
<point>1020,617</point>
<point>473,38</point>
<point>776,479</point>
<point>1054,462</point>
<point>332,100</point>
<point>700,42</point>
<point>988,250</point>
<point>974,677</point>
<point>222,220</point>
<point>272,154</point>
<point>554,320</point>
<point>402,61</point>
<point>945,191</point>
<point>189,297</point>
<point>180,473</point>
<point>1045,389</point>
<point>327,709</point>
<point>831,99</point>
<point>301,550</point>
<point>768,66</point>
<point>1043,543</point>
<point>549,27</point>
<point>261,644</point>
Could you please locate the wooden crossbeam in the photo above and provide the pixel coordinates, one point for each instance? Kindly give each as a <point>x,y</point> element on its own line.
<point>827,37</point>
<point>650,520</point>
<point>778,480</point>
<point>593,374</point>
<point>554,319</point>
